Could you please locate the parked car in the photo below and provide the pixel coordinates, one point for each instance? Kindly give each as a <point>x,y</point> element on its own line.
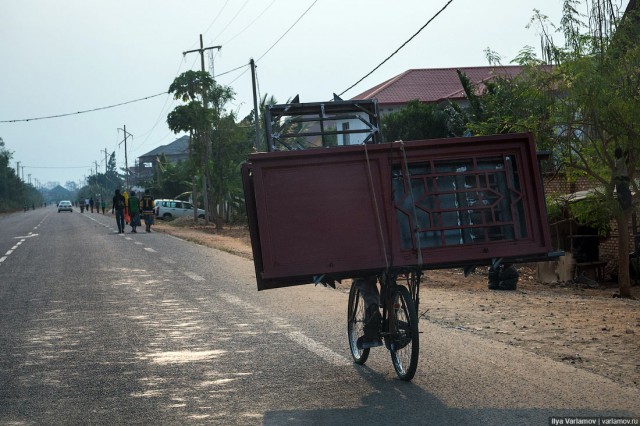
<point>64,206</point>
<point>171,209</point>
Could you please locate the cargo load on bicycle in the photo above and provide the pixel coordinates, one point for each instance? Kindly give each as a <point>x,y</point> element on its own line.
<point>344,210</point>
<point>384,212</point>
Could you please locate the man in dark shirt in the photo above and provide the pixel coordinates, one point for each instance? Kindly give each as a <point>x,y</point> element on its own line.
<point>146,205</point>
<point>118,206</point>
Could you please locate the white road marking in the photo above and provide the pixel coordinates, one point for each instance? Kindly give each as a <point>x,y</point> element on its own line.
<point>15,247</point>
<point>150,250</point>
<point>293,334</point>
<point>193,276</point>
<point>28,236</point>
<point>3,258</point>
<point>8,252</point>
<point>137,242</point>
<point>167,260</point>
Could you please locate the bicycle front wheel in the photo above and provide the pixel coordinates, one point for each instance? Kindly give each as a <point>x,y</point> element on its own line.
<point>403,328</point>
<point>355,324</point>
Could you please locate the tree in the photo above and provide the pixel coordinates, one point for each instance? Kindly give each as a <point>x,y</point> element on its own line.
<point>584,108</point>
<point>416,121</point>
<point>14,194</point>
<point>171,179</point>
<point>222,143</point>
<point>193,118</point>
<point>598,73</point>
<point>266,101</point>
<point>71,186</point>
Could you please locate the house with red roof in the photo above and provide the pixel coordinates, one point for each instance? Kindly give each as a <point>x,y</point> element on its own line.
<point>429,85</point>
<point>432,85</point>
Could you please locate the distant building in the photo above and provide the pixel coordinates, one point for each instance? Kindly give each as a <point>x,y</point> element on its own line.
<point>174,152</point>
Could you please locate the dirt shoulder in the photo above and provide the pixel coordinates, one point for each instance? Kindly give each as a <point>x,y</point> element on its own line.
<point>585,327</point>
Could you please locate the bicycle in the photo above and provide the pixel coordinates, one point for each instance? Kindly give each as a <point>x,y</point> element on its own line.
<point>399,330</point>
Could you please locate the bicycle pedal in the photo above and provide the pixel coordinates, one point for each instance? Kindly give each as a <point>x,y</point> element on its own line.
<point>363,343</point>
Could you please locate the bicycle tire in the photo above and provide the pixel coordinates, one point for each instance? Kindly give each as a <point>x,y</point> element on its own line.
<point>403,328</point>
<point>355,325</point>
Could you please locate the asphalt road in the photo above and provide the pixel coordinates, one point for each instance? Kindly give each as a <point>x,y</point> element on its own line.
<point>104,328</point>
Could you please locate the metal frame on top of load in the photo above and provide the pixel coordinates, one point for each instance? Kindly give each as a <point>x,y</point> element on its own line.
<point>286,124</point>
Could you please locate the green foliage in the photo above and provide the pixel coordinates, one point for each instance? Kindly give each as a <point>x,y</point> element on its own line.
<point>190,85</point>
<point>512,104</point>
<point>14,194</point>
<point>555,208</point>
<point>170,179</point>
<point>416,121</point>
<point>594,212</point>
<point>218,144</point>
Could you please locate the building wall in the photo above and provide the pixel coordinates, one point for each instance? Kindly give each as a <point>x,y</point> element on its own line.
<point>608,249</point>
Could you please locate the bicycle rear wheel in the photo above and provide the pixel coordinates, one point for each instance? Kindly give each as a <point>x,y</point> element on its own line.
<point>355,325</point>
<point>403,329</point>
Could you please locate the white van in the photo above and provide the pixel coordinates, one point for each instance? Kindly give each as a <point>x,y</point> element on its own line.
<point>171,209</point>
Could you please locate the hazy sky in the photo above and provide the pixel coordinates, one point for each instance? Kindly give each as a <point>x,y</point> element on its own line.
<point>66,56</point>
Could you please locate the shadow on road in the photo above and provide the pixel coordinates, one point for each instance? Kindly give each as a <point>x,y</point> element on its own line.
<point>397,402</point>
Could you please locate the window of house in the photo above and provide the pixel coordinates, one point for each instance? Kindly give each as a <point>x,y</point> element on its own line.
<point>346,136</point>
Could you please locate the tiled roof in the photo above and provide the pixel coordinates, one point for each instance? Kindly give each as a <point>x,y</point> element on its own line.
<point>179,146</point>
<point>432,84</point>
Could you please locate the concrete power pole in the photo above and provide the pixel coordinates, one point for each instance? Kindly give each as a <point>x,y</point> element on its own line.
<point>126,163</point>
<point>105,160</point>
<point>204,142</point>
<point>255,105</point>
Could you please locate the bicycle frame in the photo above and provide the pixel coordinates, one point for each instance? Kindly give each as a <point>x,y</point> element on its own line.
<point>389,279</point>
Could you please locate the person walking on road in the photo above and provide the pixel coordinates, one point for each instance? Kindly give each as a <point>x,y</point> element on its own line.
<point>118,206</point>
<point>147,209</point>
<point>134,211</point>
<point>103,204</point>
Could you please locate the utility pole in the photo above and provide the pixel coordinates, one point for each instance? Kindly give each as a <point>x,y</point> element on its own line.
<point>204,142</point>
<point>105,160</point>
<point>18,170</point>
<point>255,105</point>
<point>126,164</point>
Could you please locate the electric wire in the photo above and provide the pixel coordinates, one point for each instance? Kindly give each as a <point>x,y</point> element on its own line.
<point>216,18</point>
<point>398,49</point>
<point>164,93</point>
<point>55,167</point>
<point>250,24</point>
<point>241,74</point>
<point>83,111</point>
<point>230,71</point>
<point>289,29</point>
<point>231,21</point>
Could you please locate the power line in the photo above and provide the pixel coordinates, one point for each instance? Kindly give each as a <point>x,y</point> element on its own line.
<point>215,19</point>
<point>84,111</point>
<point>243,73</point>
<point>232,19</point>
<point>398,49</point>
<point>55,167</point>
<point>250,24</point>
<point>285,33</point>
<point>230,71</point>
